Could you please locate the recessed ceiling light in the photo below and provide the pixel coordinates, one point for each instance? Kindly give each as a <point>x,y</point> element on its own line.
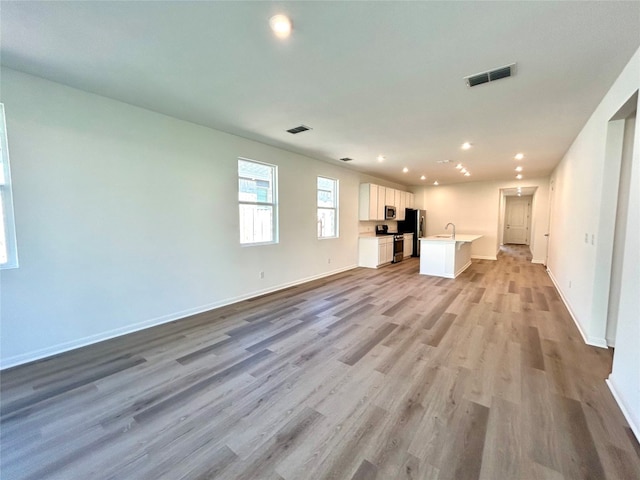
<point>436,182</point>
<point>459,166</point>
<point>464,170</point>
<point>518,168</point>
<point>519,194</point>
<point>423,177</point>
<point>467,174</point>
<point>405,170</point>
<point>466,146</point>
<point>281,25</point>
<point>519,177</point>
<point>381,158</point>
<point>519,156</point>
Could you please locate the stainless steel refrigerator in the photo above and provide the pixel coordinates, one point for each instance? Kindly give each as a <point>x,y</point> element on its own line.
<point>415,221</point>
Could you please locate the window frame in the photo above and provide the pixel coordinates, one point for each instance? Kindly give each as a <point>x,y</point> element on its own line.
<point>335,208</point>
<point>6,199</point>
<point>273,203</point>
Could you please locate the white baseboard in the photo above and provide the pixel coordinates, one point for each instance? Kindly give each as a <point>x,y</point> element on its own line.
<point>538,261</point>
<point>483,257</point>
<point>593,341</point>
<point>633,422</point>
<point>153,322</point>
<point>462,269</point>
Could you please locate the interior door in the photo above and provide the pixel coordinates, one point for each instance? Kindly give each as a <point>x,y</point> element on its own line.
<point>517,218</point>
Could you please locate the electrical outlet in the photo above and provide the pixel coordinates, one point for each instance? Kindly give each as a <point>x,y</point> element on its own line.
<point>569,283</point>
<point>328,260</point>
<point>593,239</point>
<point>261,274</point>
<point>586,238</point>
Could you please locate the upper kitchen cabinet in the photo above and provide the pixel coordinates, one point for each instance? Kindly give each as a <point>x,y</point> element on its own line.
<point>410,200</point>
<point>391,197</point>
<point>373,199</point>
<point>401,200</point>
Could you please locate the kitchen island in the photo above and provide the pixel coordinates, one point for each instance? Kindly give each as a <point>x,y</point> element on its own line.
<point>445,255</point>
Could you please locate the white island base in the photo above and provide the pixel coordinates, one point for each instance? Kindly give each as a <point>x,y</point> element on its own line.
<point>443,256</point>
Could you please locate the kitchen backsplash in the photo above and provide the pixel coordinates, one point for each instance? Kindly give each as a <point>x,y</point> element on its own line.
<point>370,227</point>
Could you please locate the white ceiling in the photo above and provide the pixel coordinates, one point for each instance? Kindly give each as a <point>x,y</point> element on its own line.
<point>370,78</point>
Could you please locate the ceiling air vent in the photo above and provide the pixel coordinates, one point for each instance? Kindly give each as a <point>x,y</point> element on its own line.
<point>491,75</point>
<point>300,129</point>
<point>346,159</point>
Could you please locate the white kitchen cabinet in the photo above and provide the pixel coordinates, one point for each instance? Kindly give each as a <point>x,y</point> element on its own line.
<point>375,251</point>
<point>368,201</point>
<point>410,200</point>
<point>372,198</point>
<point>401,199</point>
<point>381,199</point>
<point>390,197</point>
<point>408,245</point>
<point>385,250</point>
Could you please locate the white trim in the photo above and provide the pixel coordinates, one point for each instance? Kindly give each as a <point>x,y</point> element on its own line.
<point>483,257</point>
<point>593,341</point>
<point>464,267</point>
<point>6,199</point>
<point>633,424</point>
<point>538,261</point>
<point>67,346</point>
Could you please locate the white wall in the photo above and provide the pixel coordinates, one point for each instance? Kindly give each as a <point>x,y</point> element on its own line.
<point>126,218</point>
<point>475,208</point>
<point>582,206</point>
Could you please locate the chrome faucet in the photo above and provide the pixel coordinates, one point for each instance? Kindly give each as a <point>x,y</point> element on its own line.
<point>454,229</point>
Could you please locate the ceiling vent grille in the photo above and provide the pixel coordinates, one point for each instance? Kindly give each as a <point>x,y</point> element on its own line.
<point>346,159</point>
<point>491,75</point>
<point>300,129</point>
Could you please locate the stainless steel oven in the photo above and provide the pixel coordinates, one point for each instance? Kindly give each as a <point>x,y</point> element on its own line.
<point>398,248</point>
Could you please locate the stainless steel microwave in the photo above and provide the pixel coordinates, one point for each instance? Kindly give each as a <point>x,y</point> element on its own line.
<point>389,212</point>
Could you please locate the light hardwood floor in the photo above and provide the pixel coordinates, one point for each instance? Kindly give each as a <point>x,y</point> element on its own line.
<point>369,374</point>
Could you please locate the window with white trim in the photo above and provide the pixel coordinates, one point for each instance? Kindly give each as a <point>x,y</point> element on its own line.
<point>8,246</point>
<point>257,197</point>
<point>327,207</point>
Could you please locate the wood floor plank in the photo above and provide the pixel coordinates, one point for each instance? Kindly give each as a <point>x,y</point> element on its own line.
<point>176,399</point>
<point>366,471</point>
<point>462,456</point>
<point>581,455</point>
<point>533,349</point>
<point>281,444</point>
<point>441,328</point>
<point>354,356</point>
<point>503,452</point>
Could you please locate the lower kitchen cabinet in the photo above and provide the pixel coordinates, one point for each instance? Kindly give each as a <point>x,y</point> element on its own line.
<point>408,245</point>
<point>375,251</point>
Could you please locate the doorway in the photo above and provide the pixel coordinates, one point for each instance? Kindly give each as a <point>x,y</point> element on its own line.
<point>517,220</point>
<point>623,147</point>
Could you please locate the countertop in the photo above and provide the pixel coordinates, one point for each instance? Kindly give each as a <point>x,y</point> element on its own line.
<point>460,237</point>
<point>373,235</point>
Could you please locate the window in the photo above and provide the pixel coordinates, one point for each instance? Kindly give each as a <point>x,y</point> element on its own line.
<point>327,207</point>
<point>257,197</point>
<point>8,248</point>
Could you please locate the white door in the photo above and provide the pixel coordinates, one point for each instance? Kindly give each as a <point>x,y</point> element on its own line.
<point>517,218</point>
